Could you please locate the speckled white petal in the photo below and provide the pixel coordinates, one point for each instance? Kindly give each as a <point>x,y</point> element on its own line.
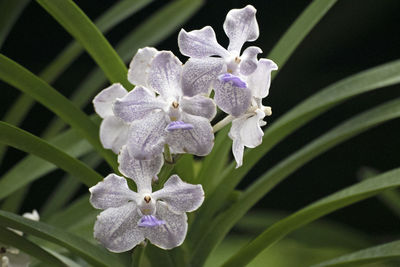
<point>198,75</point>
<point>104,100</point>
<point>199,106</point>
<point>198,141</point>
<point>165,75</point>
<point>180,196</point>
<point>113,133</point>
<point>249,60</point>
<point>117,230</point>
<point>200,43</point>
<point>140,66</point>
<point>172,233</point>
<point>141,172</point>
<point>260,80</point>
<point>112,192</point>
<point>232,99</point>
<point>136,104</point>
<point>247,129</point>
<point>147,136</point>
<point>241,26</point>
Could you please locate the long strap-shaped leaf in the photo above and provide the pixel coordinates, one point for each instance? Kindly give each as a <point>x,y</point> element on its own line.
<point>343,198</point>
<point>225,221</point>
<point>12,239</point>
<point>375,78</point>
<point>29,143</point>
<point>9,12</point>
<point>92,254</point>
<point>16,75</point>
<point>373,254</point>
<point>74,20</point>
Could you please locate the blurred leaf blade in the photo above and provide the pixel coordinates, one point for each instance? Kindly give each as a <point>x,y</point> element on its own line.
<point>9,13</point>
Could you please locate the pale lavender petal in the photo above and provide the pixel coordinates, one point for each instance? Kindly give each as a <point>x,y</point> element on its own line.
<point>178,125</point>
<point>165,75</point>
<point>117,229</point>
<point>150,221</point>
<point>140,66</point>
<point>136,104</point>
<point>113,133</point>
<point>199,106</point>
<point>241,26</point>
<point>104,100</point>
<point>198,141</point>
<point>180,196</point>
<point>198,75</point>
<point>248,63</point>
<point>233,79</point>
<point>232,99</point>
<point>141,172</point>
<point>260,81</point>
<point>112,192</point>
<point>147,136</point>
<point>200,43</point>
<point>237,151</point>
<point>172,233</point>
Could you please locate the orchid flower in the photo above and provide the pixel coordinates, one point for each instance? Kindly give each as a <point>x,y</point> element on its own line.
<point>131,217</point>
<point>164,108</point>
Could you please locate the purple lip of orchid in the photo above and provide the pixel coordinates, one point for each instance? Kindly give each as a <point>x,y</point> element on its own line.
<point>236,81</point>
<point>179,125</point>
<point>150,221</point>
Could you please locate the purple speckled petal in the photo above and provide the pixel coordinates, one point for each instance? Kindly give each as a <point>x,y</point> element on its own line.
<point>147,136</point>
<point>200,43</point>
<point>249,60</point>
<point>198,75</point>
<point>199,106</point>
<point>241,26</point>
<point>150,221</point>
<point>112,192</point>
<point>136,104</point>
<point>233,79</point>
<point>260,81</point>
<point>140,66</point>
<point>165,75</point>
<point>142,172</point>
<point>198,141</point>
<point>172,233</point>
<point>178,125</point>
<point>232,99</point>
<point>104,100</point>
<point>113,133</point>
<point>117,229</point>
<point>180,196</point>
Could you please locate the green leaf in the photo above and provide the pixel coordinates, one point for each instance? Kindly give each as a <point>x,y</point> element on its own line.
<point>92,254</point>
<point>12,239</point>
<point>14,202</point>
<point>29,143</point>
<point>356,125</point>
<point>184,168</point>
<point>343,198</point>
<point>21,78</point>
<point>378,253</point>
<point>10,11</point>
<point>74,20</point>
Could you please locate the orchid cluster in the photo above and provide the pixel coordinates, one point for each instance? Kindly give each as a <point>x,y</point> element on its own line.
<point>170,112</point>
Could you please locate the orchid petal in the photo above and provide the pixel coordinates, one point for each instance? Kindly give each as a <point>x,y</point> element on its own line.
<point>16,260</point>
<point>198,141</point>
<point>104,100</point>
<point>165,75</point>
<point>241,26</point>
<point>117,229</point>
<point>237,151</point>
<point>180,196</point>
<point>140,171</point>
<point>200,43</point>
<point>198,74</point>
<point>136,104</point>
<point>147,136</point>
<point>249,60</point>
<point>172,233</point>
<point>140,66</point>
<point>260,81</point>
<point>112,192</point>
<point>113,133</point>
<point>199,106</point>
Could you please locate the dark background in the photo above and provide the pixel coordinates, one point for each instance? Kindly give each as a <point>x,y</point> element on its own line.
<point>353,36</point>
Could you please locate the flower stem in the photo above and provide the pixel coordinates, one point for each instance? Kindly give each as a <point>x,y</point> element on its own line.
<point>219,125</point>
